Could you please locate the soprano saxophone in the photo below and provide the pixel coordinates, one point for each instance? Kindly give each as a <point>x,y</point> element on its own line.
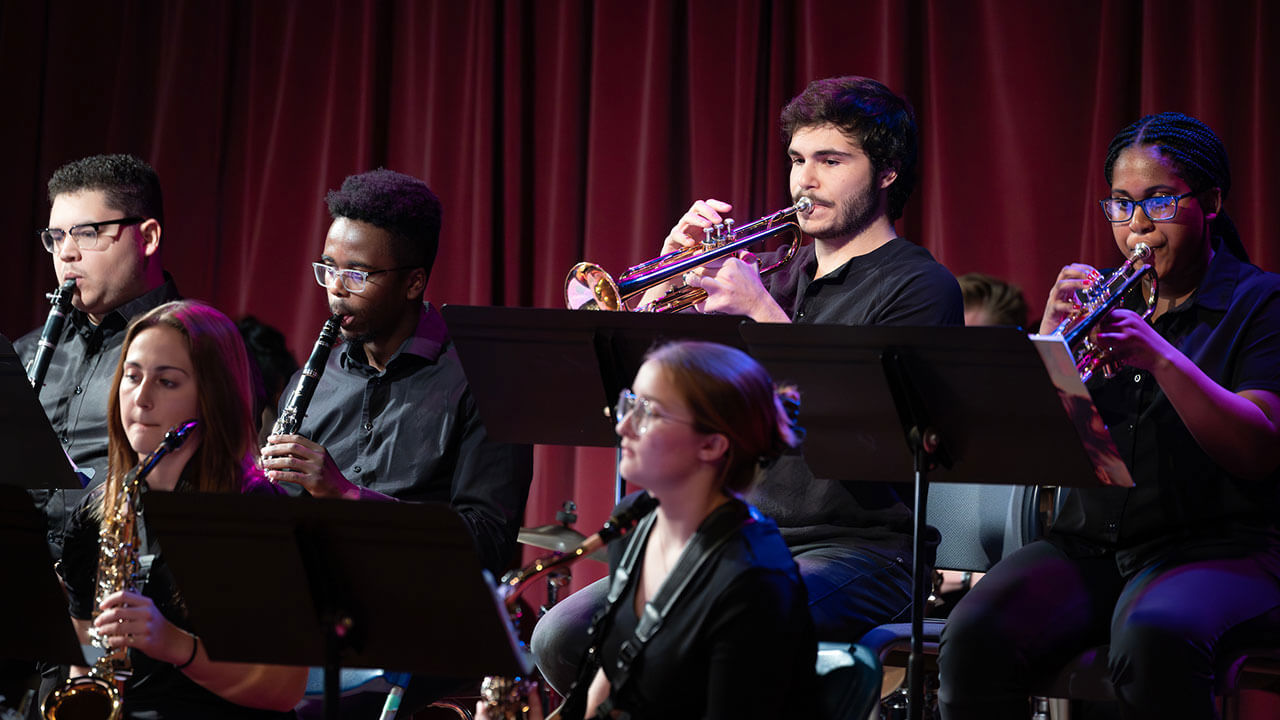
<point>99,694</point>
<point>291,418</point>
<point>507,697</point>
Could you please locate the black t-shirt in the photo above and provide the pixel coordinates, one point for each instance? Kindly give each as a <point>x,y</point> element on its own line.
<point>157,690</point>
<point>1230,329</point>
<point>899,283</point>
<point>739,642</point>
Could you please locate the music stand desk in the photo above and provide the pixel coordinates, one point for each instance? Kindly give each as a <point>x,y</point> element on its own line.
<point>552,376</point>
<point>37,625</point>
<point>33,457</point>
<point>987,392</point>
<point>547,376</point>
<point>306,581</point>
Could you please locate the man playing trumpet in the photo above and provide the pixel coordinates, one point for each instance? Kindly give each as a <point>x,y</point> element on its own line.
<point>852,144</point>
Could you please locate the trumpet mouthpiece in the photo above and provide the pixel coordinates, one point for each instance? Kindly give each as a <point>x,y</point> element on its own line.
<point>803,204</point>
<point>1141,251</point>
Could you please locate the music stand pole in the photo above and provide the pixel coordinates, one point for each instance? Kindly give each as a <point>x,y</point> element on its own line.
<point>925,445</point>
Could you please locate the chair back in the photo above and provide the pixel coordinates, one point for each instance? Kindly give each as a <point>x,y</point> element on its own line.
<point>848,681</point>
<point>982,523</point>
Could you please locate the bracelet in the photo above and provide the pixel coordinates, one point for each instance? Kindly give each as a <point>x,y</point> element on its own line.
<point>195,645</point>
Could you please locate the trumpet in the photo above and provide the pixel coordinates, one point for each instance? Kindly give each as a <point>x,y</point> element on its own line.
<point>1097,302</point>
<point>589,287</point>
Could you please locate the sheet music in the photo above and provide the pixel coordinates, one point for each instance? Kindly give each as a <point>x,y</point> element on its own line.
<point>1094,436</point>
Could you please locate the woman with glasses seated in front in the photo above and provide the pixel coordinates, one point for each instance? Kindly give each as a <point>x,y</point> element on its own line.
<point>737,641</point>
<point>1187,561</point>
<point>183,360</point>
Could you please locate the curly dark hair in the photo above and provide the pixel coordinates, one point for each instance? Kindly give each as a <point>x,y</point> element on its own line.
<point>129,183</point>
<point>400,204</point>
<point>1197,154</point>
<point>881,122</point>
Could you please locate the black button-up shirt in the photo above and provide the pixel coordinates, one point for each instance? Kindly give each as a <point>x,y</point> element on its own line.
<point>899,283</point>
<point>76,389</point>
<point>1230,329</point>
<point>413,432</point>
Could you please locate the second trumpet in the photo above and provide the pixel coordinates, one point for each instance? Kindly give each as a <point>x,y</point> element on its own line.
<point>589,287</point>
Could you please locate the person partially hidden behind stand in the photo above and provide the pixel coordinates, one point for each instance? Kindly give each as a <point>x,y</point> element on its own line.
<point>1175,570</point>
<point>179,361</point>
<point>736,639</point>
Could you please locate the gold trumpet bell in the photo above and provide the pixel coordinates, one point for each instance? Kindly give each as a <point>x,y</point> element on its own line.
<point>589,287</point>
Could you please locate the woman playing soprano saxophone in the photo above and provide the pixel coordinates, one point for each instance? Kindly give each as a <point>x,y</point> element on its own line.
<point>738,641</point>
<point>182,360</point>
<point>1166,572</point>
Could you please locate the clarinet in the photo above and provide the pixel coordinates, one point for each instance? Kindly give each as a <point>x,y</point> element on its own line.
<point>39,365</point>
<point>296,409</point>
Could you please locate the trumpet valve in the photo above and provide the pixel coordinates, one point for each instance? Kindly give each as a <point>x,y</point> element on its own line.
<point>729,235</point>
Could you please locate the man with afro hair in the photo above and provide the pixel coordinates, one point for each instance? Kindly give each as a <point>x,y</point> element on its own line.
<point>393,417</point>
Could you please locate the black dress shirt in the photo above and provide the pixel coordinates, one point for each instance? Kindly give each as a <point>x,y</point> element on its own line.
<point>413,432</point>
<point>1230,328</point>
<point>899,283</point>
<point>76,394</point>
<point>79,379</point>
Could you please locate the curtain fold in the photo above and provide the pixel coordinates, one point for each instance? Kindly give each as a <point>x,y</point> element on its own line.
<point>567,130</point>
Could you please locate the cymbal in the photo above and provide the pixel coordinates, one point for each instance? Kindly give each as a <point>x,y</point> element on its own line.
<point>558,538</point>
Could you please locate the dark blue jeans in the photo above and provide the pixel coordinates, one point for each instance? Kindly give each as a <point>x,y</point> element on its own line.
<point>851,590</point>
<point>1041,606</point>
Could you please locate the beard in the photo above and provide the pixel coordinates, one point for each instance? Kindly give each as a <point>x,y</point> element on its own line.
<point>855,213</point>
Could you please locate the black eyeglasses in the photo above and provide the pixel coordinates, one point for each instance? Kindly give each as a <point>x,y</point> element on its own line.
<point>353,280</point>
<point>86,235</point>
<point>1158,208</point>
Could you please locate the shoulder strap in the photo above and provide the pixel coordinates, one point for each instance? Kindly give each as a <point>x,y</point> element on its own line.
<point>702,547</point>
<point>627,564</point>
<point>575,702</point>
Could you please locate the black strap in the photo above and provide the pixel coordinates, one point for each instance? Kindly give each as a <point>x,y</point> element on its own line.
<point>702,547</point>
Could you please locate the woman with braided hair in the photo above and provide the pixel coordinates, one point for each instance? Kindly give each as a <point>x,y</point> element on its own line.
<point>1177,569</point>
<point>737,639</point>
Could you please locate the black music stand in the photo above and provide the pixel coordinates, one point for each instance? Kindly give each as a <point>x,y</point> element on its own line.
<point>33,457</point>
<point>973,404</point>
<point>334,583</point>
<point>37,626</point>
<point>551,376</point>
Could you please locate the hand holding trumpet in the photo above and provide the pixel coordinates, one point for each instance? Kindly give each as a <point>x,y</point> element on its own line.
<point>732,283</point>
<point>1074,278</point>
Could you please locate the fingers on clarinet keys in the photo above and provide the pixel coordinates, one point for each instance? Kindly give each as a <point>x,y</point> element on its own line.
<point>558,538</point>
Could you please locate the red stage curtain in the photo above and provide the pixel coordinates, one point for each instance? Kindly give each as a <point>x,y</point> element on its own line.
<point>559,131</point>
